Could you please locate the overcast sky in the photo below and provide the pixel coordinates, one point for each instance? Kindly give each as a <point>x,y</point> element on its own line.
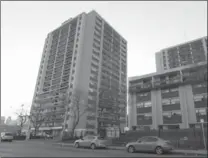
<point>147,26</point>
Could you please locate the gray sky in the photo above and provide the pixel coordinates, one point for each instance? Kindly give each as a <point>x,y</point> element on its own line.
<point>147,26</point>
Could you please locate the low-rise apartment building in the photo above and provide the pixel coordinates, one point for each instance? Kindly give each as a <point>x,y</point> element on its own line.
<point>176,98</point>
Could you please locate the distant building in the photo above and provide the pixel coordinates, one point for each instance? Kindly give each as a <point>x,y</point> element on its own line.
<point>2,120</point>
<point>191,52</point>
<point>8,120</point>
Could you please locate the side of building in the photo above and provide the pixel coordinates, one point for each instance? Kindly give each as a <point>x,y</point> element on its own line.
<point>176,98</point>
<point>191,52</point>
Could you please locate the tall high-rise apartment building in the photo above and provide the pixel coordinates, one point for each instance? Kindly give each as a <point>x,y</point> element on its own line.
<point>191,52</point>
<point>86,55</point>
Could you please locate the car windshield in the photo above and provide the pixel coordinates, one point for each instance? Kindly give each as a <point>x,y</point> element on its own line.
<point>8,134</point>
<point>101,138</point>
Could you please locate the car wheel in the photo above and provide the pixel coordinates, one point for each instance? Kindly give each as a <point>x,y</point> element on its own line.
<point>159,150</point>
<point>93,146</point>
<point>76,145</point>
<point>131,149</point>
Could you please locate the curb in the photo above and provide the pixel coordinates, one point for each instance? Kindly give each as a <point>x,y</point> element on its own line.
<point>123,148</point>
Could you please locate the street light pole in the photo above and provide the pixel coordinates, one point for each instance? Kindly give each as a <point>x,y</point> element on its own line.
<point>204,139</point>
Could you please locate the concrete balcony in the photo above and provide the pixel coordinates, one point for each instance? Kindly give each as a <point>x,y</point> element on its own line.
<point>171,107</point>
<point>144,98</point>
<point>201,104</point>
<point>172,120</point>
<point>89,126</point>
<point>144,110</point>
<point>170,94</point>
<point>144,122</point>
<point>199,90</point>
<point>141,88</point>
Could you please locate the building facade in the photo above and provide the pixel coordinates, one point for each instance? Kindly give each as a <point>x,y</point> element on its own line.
<point>191,52</point>
<point>2,120</point>
<point>87,55</point>
<point>176,98</point>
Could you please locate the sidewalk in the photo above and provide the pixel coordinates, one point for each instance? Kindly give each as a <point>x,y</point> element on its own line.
<point>176,151</point>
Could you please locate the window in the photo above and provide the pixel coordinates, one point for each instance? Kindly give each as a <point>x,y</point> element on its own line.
<point>143,139</point>
<point>141,104</point>
<point>165,101</point>
<point>147,104</point>
<point>201,112</point>
<point>175,100</point>
<point>151,139</point>
<point>174,89</point>
<point>199,85</point>
<point>142,94</point>
<point>199,97</point>
<point>148,116</point>
<point>165,91</point>
<point>172,113</point>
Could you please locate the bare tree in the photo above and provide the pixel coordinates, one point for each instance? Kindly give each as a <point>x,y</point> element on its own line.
<point>22,117</point>
<point>36,118</point>
<point>74,111</point>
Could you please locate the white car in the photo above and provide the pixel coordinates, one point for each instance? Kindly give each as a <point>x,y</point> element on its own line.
<point>91,141</point>
<point>6,136</point>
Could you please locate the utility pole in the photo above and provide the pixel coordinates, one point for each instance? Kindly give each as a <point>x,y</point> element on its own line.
<point>204,139</point>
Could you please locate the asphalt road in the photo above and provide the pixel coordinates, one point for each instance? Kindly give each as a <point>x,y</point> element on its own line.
<point>46,149</point>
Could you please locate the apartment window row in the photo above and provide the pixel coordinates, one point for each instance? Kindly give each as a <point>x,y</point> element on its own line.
<point>96,35</point>
<point>170,101</point>
<point>147,116</point>
<point>200,97</point>
<point>201,112</point>
<point>171,114</point>
<point>199,85</point>
<point>169,90</point>
<point>96,46</point>
<point>108,39</point>
<point>94,66</point>
<point>143,94</point>
<point>99,19</point>
<point>144,104</point>
<point>97,41</point>
<point>96,53</point>
<point>94,59</point>
<point>98,28</point>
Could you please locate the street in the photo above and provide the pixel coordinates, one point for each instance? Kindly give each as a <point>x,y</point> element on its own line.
<point>46,149</point>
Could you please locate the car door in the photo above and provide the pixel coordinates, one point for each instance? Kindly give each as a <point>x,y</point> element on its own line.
<point>140,143</point>
<point>83,142</point>
<point>89,141</point>
<point>149,144</point>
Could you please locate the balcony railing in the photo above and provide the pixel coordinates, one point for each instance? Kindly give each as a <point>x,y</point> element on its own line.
<point>170,94</point>
<point>89,126</point>
<point>172,120</point>
<point>144,122</point>
<point>201,104</point>
<point>144,110</point>
<point>171,107</point>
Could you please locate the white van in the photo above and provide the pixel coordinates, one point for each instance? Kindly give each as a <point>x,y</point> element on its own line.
<point>6,136</point>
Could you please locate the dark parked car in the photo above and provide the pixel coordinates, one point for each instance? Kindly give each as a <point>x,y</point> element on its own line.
<point>150,144</point>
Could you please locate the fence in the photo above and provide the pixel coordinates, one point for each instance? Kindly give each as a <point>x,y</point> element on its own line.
<point>194,137</point>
